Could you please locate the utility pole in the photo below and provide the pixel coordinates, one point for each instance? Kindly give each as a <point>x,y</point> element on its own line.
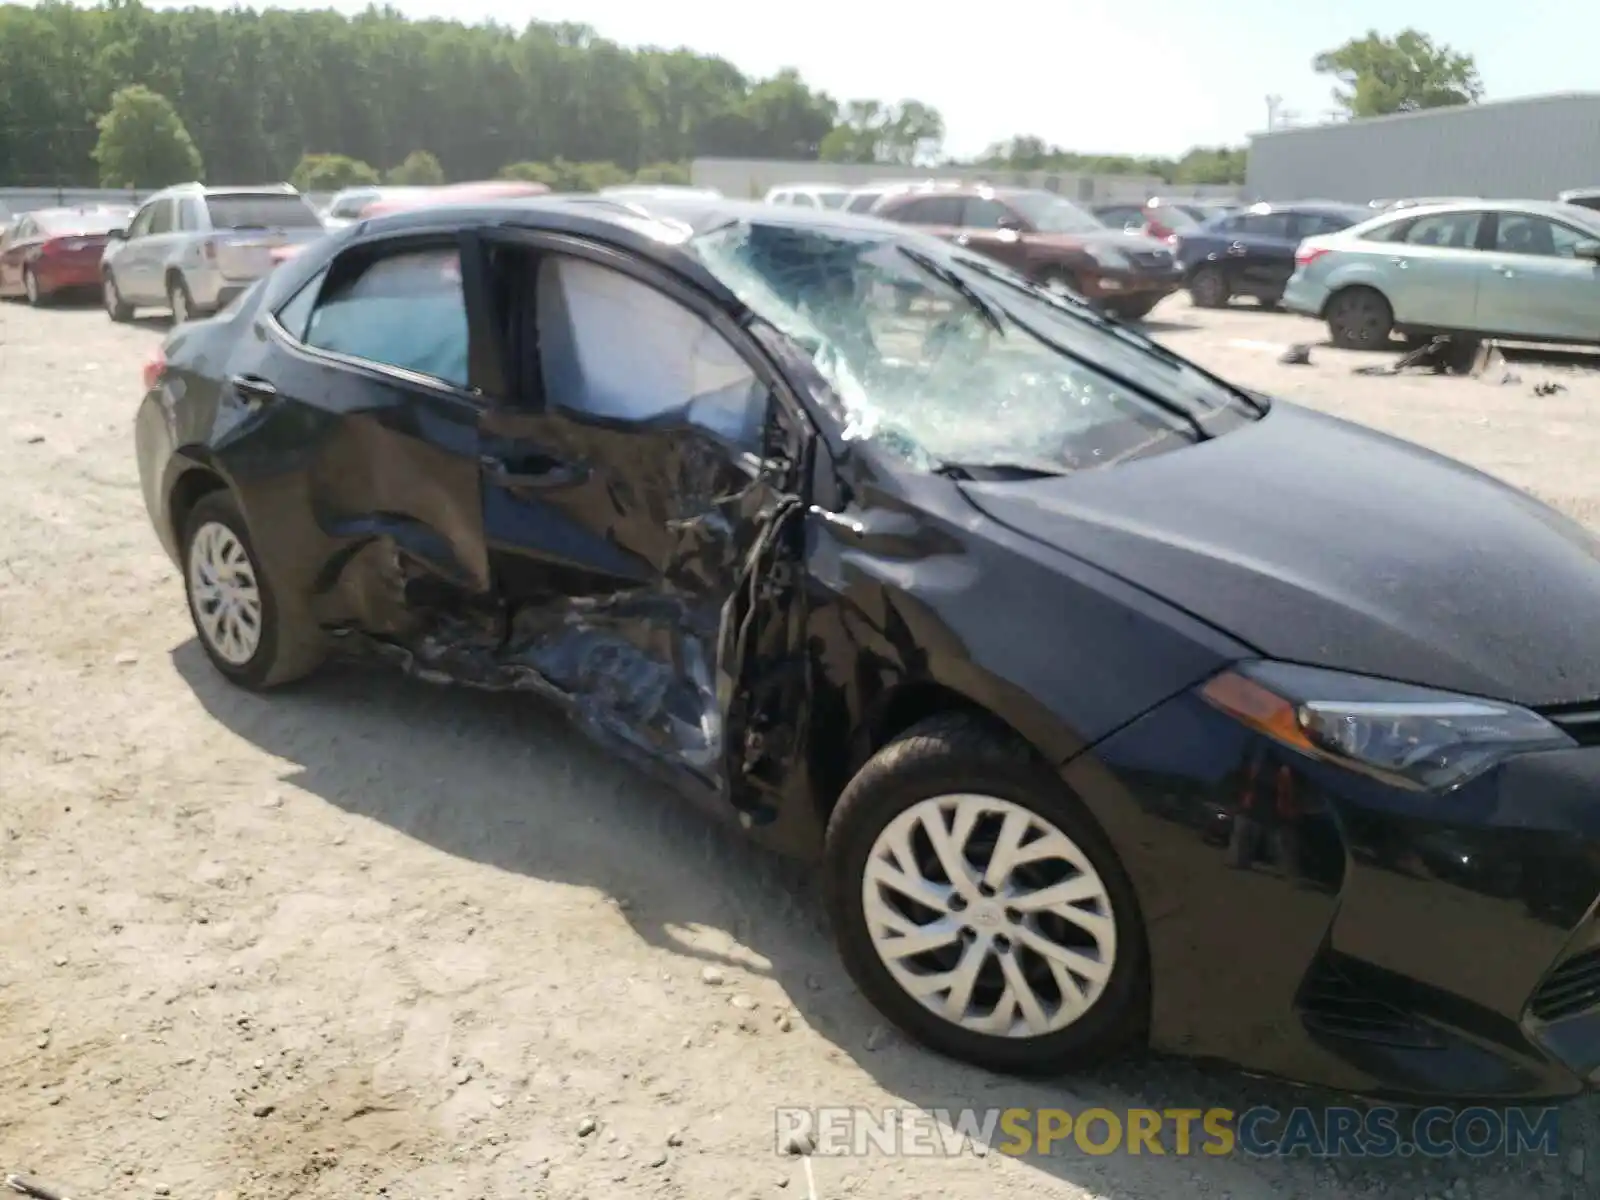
<point>1274,107</point>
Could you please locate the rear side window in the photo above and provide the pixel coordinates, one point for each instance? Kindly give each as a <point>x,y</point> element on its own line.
<point>863,201</point>
<point>242,210</point>
<point>1317,224</point>
<point>351,206</point>
<point>1452,231</point>
<point>930,210</point>
<point>1264,225</point>
<point>405,310</point>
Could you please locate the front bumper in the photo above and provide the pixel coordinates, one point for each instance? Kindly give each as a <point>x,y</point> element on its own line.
<point>1310,924</point>
<point>1104,283</point>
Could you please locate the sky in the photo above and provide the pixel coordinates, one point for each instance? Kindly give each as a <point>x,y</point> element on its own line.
<point>1095,76</point>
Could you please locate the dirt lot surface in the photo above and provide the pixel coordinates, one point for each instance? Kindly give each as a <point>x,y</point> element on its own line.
<point>371,937</point>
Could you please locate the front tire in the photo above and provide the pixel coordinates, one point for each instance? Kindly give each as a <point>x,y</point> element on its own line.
<point>237,618</point>
<point>117,308</point>
<point>979,906</point>
<point>179,300</point>
<point>37,296</point>
<point>1132,310</point>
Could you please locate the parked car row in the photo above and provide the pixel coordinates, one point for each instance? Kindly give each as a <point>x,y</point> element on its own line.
<point>50,252</point>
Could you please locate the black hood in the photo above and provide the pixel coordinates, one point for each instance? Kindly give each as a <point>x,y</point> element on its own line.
<point>1322,542</point>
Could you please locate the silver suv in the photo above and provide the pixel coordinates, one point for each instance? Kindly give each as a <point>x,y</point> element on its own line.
<point>193,248</point>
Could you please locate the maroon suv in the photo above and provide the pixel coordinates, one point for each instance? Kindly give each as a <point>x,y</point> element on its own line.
<point>1049,239</point>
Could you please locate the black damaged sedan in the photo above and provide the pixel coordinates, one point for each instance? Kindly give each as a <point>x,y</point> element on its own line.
<point>1118,704</point>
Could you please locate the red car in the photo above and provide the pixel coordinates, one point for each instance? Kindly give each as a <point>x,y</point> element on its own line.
<point>450,193</point>
<point>54,250</point>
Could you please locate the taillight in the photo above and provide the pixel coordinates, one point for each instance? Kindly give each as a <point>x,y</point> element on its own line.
<point>153,367</point>
<point>1307,255</point>
<point>1158,230</point>
<point>50,246</point>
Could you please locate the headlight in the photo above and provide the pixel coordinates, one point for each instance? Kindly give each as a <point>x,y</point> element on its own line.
<point>1108,256</point>
<point>1408,736</point>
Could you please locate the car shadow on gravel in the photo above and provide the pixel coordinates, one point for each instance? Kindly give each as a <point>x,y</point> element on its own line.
<point>503,780</point>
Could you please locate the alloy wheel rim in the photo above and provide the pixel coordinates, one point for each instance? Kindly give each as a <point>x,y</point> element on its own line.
<point>989,916</point>
<point>112,298</point>
<point>30,284</point>
<point>225,592</point>
<point>180,306</point>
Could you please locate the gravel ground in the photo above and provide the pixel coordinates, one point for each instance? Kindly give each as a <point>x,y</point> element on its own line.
<point>369,936</point>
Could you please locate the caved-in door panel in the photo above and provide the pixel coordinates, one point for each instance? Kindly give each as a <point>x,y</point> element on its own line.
<point>620,516</point>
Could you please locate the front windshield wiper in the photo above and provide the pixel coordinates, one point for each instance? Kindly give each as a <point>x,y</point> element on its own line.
<point>995,471</point>
<point>953,281</point>
<point>1087,311</point>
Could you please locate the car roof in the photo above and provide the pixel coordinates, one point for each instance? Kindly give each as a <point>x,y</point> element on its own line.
<point>1316,207</point>
<point>653,227</point>
<point>206,189</point>
<point>1555,209</point>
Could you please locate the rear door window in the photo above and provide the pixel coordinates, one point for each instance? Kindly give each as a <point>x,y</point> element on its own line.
<point>1317,224</point>
<point>931,210</point>
<point>405,310</point>
<point>982,213</point>
<point>243,210</point>
<point>1450,231</point>
<point>1275,225</point>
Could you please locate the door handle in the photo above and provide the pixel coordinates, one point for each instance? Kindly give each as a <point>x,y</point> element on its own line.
<point>254,389</point>
<point>1506,271</point>
<point>537,473</point>
<point>1237,250</point>
<point>1398,262</point>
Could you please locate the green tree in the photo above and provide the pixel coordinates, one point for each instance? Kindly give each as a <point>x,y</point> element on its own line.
<point>873,132</point>
<point>1405,73</point>
<point>676,174</point>
<point>530,172</point>
<point>331,173</point>
<point>1210,164</point>
<point>419,169</point>
<point>143,142</point>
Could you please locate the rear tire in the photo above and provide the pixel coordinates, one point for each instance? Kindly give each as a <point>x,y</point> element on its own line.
<point>179,300</point>
<point>237,618</point>
<point>953,764</point>
<point>117,308</point>
<point>1359,318</point>
<point>1209,288</point>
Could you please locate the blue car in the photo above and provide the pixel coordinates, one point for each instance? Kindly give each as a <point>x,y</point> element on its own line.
<point>1251,253</point>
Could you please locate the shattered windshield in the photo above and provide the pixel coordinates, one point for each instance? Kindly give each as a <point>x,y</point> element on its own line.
<point>952,364</point>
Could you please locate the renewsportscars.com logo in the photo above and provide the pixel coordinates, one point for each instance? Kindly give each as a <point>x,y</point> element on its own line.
<point>1261,1132</point>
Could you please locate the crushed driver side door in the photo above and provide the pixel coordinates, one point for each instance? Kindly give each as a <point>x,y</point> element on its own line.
<point>639,479</point>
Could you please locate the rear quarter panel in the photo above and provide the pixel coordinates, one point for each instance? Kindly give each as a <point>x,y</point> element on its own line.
<point>1350,267</point>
